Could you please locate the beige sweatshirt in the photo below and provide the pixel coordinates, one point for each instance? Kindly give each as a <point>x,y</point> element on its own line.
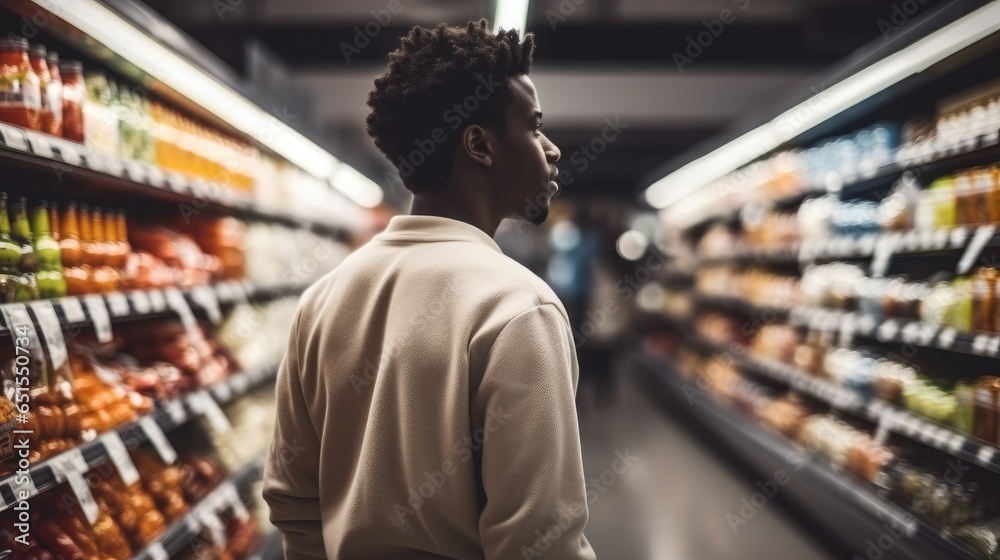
<point>426,408</point>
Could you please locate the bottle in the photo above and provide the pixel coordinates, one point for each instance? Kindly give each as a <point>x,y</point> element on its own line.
<point>38,58</point>
<point>51,283</point>
<point>104,277</point>
<point>28,263</point>
<point>19,85</point>
<point>117,252</point>
<point>74,95</point>
<point>75,271</point>
<point>55,93</point>
<point>12,283</point>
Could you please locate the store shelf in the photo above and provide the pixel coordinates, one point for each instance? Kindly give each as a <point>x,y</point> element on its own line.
<point>85,311</point>
<point>186,530</point>
<point>270,547</point>
<point>843,506</point>
<point>111,174</point>
<point>887,416</point>
<point>166,417</point>
<point>741,306</point>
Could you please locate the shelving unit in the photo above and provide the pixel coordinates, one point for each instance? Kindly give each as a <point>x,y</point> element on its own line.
<point>816,488</point>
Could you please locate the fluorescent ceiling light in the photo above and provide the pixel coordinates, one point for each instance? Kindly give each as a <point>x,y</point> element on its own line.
<point>511,14</point>
<point>190,81</point>
<point>827,104</point>
<point>355,186</point>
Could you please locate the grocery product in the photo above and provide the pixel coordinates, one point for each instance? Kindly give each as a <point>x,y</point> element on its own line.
<point>20,89</point>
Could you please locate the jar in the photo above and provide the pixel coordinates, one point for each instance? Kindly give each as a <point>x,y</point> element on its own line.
<point>73,94</point>
<point>20,93</point>
<point>984,283</point>
<point>985,417</point>
<point>55,94</point>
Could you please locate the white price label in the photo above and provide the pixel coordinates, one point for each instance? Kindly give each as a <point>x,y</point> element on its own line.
<point>224,291</point>
<point>203,403</point>
<point>157,552</point>
<point>70,153</point>
<point>177,302</point>
<point>159,440</point>
<point>177,182</point>
<point>946,339</point>
<point>82,492</point>
<point>140,300</point>
<point>115,166</point>
<point>910,332</point>
<point>22,486</point>
<point>120,458</point>
<point>105,374</point>
<point>214,525</point>
<point>96,160</point>
<point>983,235</point>
<point>48,323</point>
<point>156,177</point>
<point>136,171</point>
<point>99,317</point>
<point>18,322</point>
<point>882,254</point>
<point>888,330</point>
<point>957,237</point>
<point>239,291</point>
<point>979,344</point>
<point>157,301</point>
<point>118,304</point>
<point>72,310</point>
<point>40,145</point>
<point>956,443</point>
<point>14,138</point>
<point>175,409</point>
<point>205,297</point>
<point>232,497</point>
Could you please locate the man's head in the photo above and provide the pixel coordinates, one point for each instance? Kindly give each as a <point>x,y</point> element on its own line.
<point>457,114</point>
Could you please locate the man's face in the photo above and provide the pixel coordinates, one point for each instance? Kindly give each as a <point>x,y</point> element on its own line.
<point>526,158</point>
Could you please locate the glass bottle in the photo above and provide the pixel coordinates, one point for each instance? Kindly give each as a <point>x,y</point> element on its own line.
<point>75,271</point>
<point>28,263</point>
<point>37,57</point>
<point>51,283</point>
<point>55,94</point>
<point>73,97</point>
<point>116,252</point>
<point>20,91</point>
<point>12,283</point>
<point>104,277</point>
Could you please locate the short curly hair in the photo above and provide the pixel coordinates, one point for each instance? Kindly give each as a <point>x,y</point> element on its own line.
<point>434,88</point>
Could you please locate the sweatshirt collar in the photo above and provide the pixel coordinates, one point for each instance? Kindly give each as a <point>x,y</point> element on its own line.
<point>434,229</point>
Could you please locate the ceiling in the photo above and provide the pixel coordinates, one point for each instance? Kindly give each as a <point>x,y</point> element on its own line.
<point>595,59</point>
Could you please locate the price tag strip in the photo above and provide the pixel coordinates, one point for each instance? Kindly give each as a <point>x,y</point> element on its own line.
<point>14,138</point>
<point>71,466</point>
<point>983,235</point>
<point>73,310</point>
<point>203,403</point>
<point>48,323</point>
<point>231,497</point>
<point>159,440</point>
<point>157,552</point>
<point>141,303</point>
<point>99,317</point>
<point>207,299</point>
<point>116,450</point>
<point>118,304</point>
<point>177,303</point>
<point>157,301</point>
<point>39,145</point>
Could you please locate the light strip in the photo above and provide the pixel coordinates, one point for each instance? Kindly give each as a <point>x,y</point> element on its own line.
<point>151,57</point>
<point>511,14</point>
<point>355,186</point>
<point>827,104</point>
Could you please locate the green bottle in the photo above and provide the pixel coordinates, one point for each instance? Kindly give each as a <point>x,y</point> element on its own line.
<point>51,283</point>
<point>12,284</point>
<point>28,263</point>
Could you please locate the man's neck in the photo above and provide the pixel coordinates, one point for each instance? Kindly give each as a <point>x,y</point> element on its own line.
<point>446,205</point>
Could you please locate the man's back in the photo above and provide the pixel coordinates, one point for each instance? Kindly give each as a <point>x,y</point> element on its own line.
<point>419,377</point>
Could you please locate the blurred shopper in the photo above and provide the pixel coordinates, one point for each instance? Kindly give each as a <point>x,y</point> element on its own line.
<point>426,401</point>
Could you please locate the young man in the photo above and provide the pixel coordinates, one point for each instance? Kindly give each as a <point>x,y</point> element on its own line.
<point>426,401</point>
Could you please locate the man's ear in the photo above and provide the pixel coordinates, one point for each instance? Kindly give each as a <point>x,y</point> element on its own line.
<point>478,145</point>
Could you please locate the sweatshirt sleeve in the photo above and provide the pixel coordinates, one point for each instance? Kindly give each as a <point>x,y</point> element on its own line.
<point>532,468</point>
<point>291,471</point>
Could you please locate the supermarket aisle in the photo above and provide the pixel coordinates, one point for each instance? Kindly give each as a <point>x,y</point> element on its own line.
<point>670,497</point>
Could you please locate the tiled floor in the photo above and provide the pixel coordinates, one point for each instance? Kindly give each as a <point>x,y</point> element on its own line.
<point>671,503</point>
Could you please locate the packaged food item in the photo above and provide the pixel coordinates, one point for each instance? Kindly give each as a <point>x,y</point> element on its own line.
<point>930,401</point>
<point>14,285</point>
<point>890,378</point>
<point>51,93</point>
<point>54,92</point>
<point>987,408</point>
<point>20,88</point>
<point>51,283</point>
<point>100,119</point>
<point>965,394</point>
<point>983,287</point>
